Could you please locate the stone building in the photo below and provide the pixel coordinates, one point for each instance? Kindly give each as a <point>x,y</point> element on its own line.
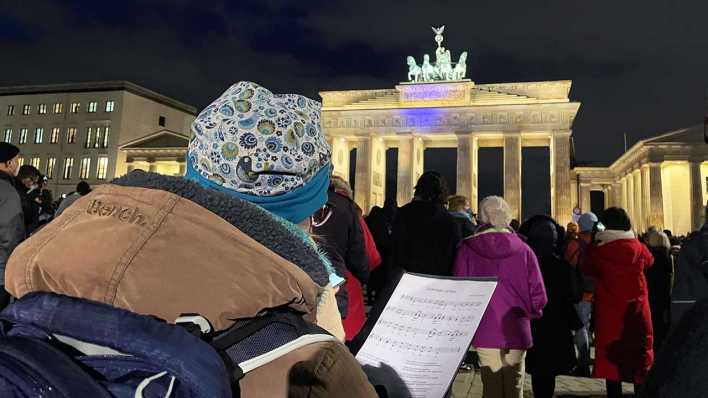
<point>660,181</point>
<point>94,131</point>
<point>451,114</point>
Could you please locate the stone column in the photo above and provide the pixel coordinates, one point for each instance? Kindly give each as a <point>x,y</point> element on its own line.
<point>362,190</point>
<point>630,197</point>
<point>656,199</point>
<point>512,173</point>
<point>370,173</point>
<point>584,200</point>
<point>404,178</point>
<point>608,196</point>
<point>410,167</point>
<point>697,204</point>
<point>560,177</point>
<point>418,159</point>
<point>646,204</point>
<point>616,197</point>
<point>340,156</point>
<point>467,168</point>
<point>638,219</point>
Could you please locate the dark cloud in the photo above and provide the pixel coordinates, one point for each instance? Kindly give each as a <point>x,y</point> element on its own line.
<point>637,67</point>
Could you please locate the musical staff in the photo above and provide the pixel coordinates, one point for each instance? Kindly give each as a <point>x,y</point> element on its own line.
<point>424,331</point>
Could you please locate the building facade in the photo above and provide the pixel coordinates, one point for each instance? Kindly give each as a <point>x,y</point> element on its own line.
<point>451,114</point>
<point>660,181</point>
<point>74,132</point>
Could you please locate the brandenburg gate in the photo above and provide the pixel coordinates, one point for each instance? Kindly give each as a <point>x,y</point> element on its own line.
<point>439,108</point>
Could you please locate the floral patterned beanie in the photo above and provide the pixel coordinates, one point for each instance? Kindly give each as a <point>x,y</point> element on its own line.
<point>264,148</point>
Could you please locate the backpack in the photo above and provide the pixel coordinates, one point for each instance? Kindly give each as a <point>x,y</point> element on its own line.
<point>58,346</point>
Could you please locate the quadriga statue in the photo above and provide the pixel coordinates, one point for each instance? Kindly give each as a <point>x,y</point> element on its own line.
<point>461,68</point>
<point>414,71</point>
<point>428,69</point>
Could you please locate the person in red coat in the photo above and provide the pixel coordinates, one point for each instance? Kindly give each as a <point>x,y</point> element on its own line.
<point>623,327</point>
<point>356,315</point>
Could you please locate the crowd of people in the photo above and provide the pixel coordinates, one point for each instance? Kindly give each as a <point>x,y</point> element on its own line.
<point>26,205</point>
<point>259,222</point>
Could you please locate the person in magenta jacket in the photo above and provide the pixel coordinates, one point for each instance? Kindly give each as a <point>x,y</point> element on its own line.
<point>504,333</point>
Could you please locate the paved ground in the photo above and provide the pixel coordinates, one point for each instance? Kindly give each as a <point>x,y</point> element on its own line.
<point>469,385</point>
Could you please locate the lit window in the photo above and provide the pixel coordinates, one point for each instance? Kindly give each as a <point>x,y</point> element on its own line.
<point>38,135</point>
<point>68,167</point>
<point>161,121</point>
<point>97,141</point>
<point>75,106</point>
<point>71,135</point>
<point>89,136</point>
<point>8,135</point>
<point>35,161</point>
<point>11,110</point>
<point>102,167</point>
<point>58,107</point>
<point>92,107</point>
<point>106,130</point>
<point>85,168</point>
<point>21,161</point>
<point>42,109</point>
<point>23,136</point>
<point>110,105</point>
<point>51,163</point>
<point>56,132</point>
<point>26,109</point>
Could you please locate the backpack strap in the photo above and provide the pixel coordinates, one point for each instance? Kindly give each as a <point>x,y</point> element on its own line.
<point>255,342</point>
<point>36,361</point>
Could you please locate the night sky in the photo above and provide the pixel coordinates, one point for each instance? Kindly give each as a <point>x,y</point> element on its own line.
<point>639,67</point>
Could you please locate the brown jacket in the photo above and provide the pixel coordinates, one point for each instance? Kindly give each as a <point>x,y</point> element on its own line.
<point>154,252</point>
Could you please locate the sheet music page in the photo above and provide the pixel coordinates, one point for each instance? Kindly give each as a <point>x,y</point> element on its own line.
<point>416,347</point>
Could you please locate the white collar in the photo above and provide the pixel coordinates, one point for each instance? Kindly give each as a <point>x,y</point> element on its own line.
<point>611,235</point>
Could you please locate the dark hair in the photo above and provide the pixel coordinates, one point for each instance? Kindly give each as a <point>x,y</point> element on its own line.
<point>616,218</point>
<point>83,188</point>
<point>28,171</point>
<point>432,187</point>
<point>515,224</point>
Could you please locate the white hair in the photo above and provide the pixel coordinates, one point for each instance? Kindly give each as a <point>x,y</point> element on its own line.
<point>656,238</point>
<point>495,211</point>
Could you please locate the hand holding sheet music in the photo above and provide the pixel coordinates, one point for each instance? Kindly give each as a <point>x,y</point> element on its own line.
<point>423,333</point>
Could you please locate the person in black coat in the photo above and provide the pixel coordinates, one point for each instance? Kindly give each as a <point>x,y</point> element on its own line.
<point>424,240</point>
<point>12,225</point>
<point>659,280</point>
<point>680,367</point>
<point>28,188</point>
<point>425,236</point>
<point>337,228</point>
<point>380,229</point>
<point>553,351</point>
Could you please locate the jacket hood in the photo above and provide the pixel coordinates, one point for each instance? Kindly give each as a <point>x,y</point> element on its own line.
<point>495,245</point>
<point>619,247</point>
<point>155,252</point>
<point>267,229</point>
